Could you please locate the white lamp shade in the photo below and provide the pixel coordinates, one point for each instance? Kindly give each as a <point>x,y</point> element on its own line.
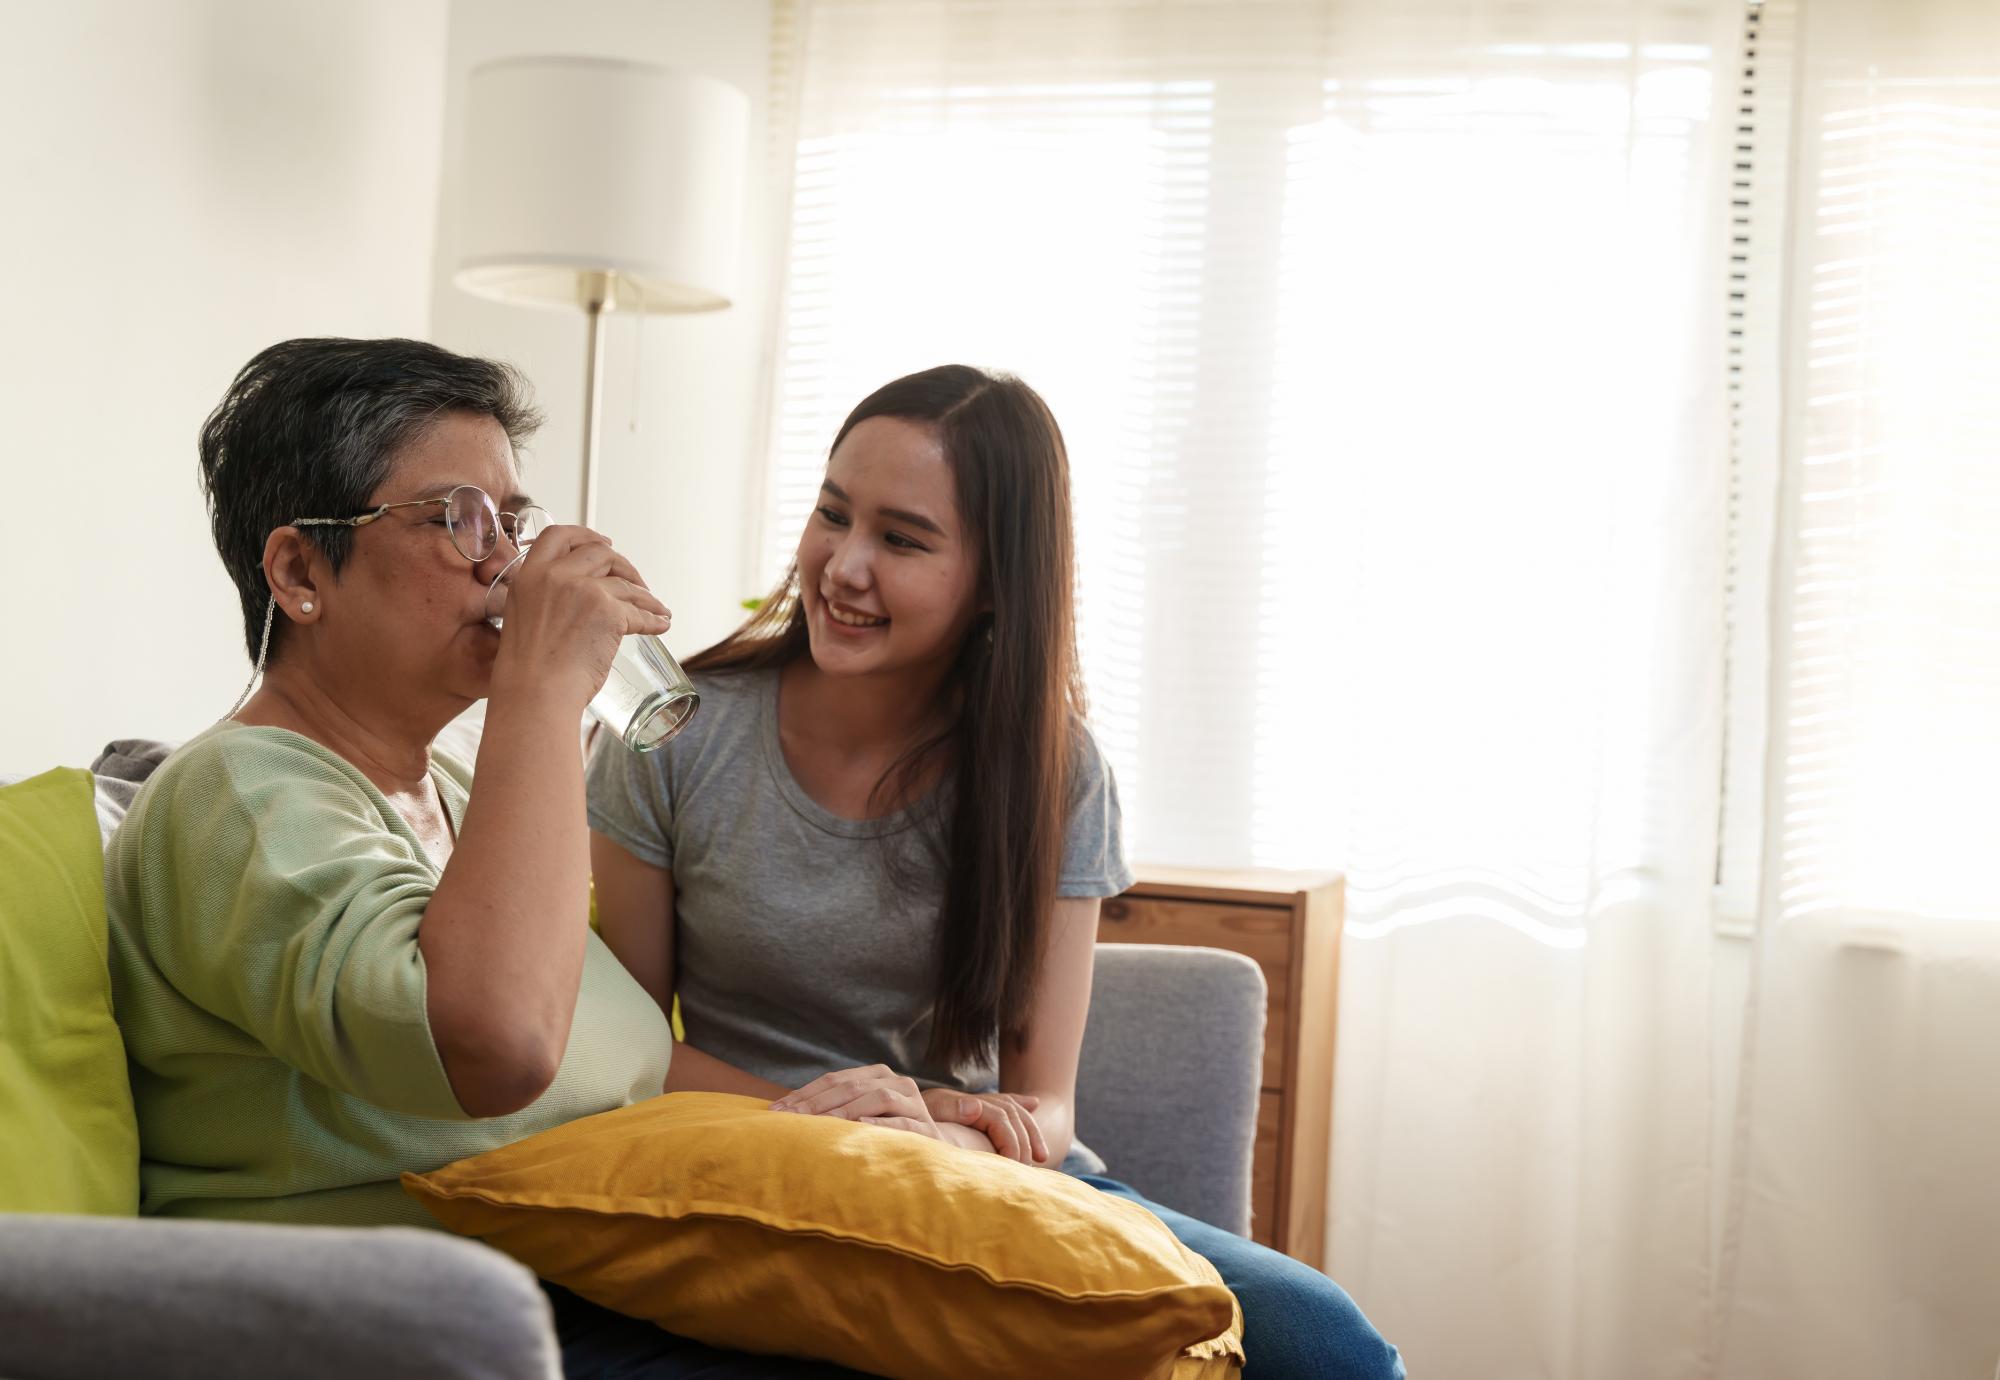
<point>582,166</point>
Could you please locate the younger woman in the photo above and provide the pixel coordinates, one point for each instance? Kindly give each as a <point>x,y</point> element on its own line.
<point>871,866</point>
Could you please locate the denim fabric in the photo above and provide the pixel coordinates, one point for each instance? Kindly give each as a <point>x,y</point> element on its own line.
<point>1297,1323</point>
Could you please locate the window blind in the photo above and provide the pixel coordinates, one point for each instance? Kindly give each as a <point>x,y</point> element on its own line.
<point>1370,332</point>
<point>1887,646</point>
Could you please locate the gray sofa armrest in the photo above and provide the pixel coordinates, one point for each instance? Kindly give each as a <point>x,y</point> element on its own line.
<point>93,1296</point>
<point>1167,1089</point>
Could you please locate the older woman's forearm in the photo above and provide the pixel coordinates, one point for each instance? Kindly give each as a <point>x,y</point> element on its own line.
<point>503,937</point>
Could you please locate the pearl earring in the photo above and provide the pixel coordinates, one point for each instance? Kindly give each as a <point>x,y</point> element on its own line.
<point>306,607</point>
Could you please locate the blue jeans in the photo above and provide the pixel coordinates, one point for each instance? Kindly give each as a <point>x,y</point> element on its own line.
<point>1297,1323</point>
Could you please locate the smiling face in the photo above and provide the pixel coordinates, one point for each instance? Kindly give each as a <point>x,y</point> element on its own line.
<point>407,609</point>
<point>888,576</point>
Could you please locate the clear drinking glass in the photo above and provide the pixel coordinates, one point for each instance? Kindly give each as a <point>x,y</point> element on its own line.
<point>647,698</point>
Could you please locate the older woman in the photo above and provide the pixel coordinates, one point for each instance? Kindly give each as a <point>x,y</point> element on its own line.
<point>334,959</point>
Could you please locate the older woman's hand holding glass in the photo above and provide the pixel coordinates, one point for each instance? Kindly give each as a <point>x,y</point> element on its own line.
<point>646,697</point>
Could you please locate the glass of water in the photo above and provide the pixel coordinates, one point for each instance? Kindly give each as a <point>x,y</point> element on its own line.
<point>647,698</point>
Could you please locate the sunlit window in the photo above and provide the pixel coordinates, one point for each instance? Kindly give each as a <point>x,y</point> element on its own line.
<point>1374,389</point>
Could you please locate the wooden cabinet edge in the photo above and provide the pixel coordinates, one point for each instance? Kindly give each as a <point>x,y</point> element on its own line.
<point>1271,887</point>
<point>1314,1028</point>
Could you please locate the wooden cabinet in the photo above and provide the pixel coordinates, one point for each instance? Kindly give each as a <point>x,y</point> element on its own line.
<point>1289,922</point>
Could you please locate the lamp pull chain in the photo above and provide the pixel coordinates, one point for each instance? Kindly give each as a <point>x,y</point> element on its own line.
<point>638,373</point>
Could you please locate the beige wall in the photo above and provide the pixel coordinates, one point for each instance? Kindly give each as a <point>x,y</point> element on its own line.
<point>186,183</point>
<point>683,394</point>
<point>182,185</point>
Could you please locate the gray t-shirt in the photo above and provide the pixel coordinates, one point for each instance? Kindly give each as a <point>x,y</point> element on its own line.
<point>801,947</point>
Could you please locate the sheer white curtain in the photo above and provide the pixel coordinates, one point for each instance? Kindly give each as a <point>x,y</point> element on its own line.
<point>1387,336</point>
<point>1518,470</point>
<point>1865,1235</point>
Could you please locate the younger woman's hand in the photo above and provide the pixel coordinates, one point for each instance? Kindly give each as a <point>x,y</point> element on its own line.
<point>1002,1118</point>
<point>875,1096</point>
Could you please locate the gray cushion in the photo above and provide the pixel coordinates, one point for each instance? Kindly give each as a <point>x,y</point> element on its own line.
<point>1167,1088</point>
<point>90,1297</point>
<point>119,771</point>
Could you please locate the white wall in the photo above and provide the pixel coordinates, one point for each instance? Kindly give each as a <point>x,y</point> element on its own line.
<point>683,394</point>
<point>180,185</point>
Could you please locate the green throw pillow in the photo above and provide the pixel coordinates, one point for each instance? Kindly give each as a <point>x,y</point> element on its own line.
<point>68,1139</point>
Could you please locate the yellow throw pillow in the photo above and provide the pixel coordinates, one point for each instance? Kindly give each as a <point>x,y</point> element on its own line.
<point>892,1253</point>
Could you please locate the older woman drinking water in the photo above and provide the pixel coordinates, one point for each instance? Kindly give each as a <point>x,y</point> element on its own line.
<point>335,959</point>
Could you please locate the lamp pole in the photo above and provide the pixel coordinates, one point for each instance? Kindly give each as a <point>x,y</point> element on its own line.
<point>597,294</point>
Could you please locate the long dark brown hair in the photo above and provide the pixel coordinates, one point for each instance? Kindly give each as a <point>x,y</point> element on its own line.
<point>1014,698</point>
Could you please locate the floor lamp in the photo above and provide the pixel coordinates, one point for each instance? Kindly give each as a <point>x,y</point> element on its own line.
<point>601,185</point>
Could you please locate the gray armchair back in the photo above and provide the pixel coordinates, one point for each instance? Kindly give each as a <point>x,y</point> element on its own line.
<point>1172,1062</point>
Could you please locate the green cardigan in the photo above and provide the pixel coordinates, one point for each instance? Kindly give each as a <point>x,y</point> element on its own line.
<point>264,900</point>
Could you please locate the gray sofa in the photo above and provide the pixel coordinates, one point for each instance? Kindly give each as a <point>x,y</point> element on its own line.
<point>1167,1094</point>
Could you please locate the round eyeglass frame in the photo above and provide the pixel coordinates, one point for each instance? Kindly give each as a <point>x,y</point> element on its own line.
<point>511,524</point>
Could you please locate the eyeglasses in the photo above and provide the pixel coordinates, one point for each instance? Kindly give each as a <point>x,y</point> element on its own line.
<point>470,516</point>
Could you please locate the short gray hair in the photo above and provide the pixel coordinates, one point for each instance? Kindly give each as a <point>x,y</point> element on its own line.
<point>310,427</point>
